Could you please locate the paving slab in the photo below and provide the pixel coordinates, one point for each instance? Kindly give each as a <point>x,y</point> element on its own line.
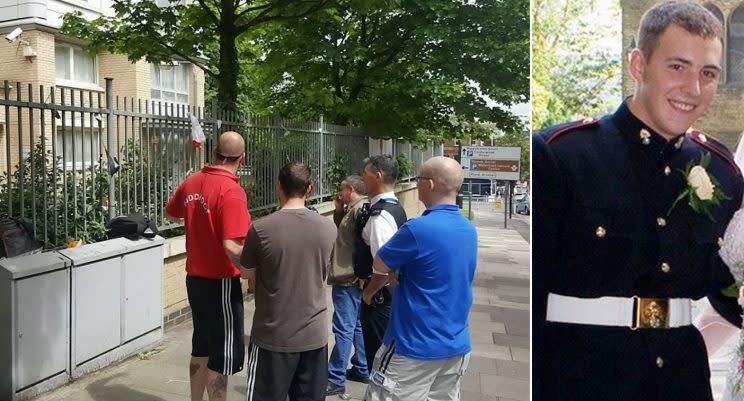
<point>499,323</point>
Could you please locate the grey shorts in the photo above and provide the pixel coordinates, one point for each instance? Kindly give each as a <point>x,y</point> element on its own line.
<point>398,378</point>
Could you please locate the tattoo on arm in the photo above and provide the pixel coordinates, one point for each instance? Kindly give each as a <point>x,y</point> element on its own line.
<point>217,387</point>
<point>193,368</point>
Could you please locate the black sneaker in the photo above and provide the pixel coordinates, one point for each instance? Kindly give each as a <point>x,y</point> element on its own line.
<point>350,375</point>
<point>332,389</point>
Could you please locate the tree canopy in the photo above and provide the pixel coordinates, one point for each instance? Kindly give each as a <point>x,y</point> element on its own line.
<point>203,32</point>
<point>406,68</point>
<point>574,75</point>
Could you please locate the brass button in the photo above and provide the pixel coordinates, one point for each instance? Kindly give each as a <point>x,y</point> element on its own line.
<point>587,120</point>
<point>600,232</point>
<point>667,170</point>
<point>665,267</point>
<point>645,136</point>
<point>659,362</point>
<point>702,138</point>
<point>720,242</point>
<point>661,222</point>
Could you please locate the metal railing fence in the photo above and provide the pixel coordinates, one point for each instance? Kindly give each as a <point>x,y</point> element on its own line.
<point>72,159</point>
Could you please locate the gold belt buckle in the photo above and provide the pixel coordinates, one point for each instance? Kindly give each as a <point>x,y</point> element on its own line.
<point>650,313</point>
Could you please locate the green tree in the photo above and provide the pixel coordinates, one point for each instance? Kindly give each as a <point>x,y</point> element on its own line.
<point>403,68</point>
<point>574,75</point>
<point>207,33</point>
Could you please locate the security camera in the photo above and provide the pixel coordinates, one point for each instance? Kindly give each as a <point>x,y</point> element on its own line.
<point>11,37</point>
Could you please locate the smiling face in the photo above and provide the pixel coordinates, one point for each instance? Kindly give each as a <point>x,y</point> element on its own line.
<point>677,83</point>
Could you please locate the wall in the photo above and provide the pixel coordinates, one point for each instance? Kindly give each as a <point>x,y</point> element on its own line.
<point>36,71</point>
<point>175,302</point>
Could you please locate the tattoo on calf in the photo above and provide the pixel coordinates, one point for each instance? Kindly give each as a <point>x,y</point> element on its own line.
<point>193,368</point>
<point>217,386</point>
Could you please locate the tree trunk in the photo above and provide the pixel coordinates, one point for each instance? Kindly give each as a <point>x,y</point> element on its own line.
<point>229,65</point>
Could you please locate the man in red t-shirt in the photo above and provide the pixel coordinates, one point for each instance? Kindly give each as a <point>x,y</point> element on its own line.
<point>214,209</point>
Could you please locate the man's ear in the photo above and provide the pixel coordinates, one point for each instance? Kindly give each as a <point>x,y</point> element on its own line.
<point>637,64</point>
<point>309,190</point>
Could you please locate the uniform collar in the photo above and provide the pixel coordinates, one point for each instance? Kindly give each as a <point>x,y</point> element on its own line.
<point>376,198</point>
<point>447,207</point>
<point>211,170</point>
<point>636,131</point>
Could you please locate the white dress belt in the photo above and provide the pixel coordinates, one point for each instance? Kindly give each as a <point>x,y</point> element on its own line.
<point>610,311</point>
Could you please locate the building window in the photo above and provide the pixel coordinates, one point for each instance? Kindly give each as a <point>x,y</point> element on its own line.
<point>719,15</point>
<point>735,51</point>
<point>716,12</point>
<point>85,143</point>
<point>170,83</point>
<point>74,64</point>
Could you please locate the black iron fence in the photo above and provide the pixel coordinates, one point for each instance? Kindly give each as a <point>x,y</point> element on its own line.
<point>72,159</point>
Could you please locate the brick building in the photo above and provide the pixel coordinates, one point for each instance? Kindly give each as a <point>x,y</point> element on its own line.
<point>724,119</point>
<point>41,55</point>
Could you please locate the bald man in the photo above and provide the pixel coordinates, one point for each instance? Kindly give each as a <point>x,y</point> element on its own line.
<point>426,348</point>
<point>214,209</point>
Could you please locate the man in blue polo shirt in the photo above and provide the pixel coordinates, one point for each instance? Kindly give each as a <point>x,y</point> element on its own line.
<point>427,344</point>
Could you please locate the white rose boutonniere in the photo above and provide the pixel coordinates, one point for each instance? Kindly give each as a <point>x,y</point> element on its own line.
<point>702,191</point>
<point>700,181</point>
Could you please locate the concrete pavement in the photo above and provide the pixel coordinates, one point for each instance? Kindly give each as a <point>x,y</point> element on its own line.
<point>499,321</point>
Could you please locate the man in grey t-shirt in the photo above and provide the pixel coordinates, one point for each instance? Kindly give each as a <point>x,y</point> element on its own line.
<point>288,254</point>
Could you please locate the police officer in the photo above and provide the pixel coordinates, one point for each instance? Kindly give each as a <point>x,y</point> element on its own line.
<point>629,211</point>
<point>376,225</point>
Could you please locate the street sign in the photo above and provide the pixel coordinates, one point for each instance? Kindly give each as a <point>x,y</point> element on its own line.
<point>493,162</point>
<point>450,151</point>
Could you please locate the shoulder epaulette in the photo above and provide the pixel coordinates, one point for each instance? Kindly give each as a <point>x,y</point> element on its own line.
<point>571,127</point>
<point>715,146</point>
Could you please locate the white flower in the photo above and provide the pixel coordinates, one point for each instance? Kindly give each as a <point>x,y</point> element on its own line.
<point>741,296</point>
<point>701,183</point>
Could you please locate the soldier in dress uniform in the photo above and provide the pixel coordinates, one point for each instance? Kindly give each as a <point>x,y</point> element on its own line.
<point>627,229</point>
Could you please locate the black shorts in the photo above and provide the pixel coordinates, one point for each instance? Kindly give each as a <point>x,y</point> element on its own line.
<point>217,310</point>
<point>272,376</point>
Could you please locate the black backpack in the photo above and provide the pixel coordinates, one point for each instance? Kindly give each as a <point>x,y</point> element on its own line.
<point>132,226</point>
<point>17,237</point>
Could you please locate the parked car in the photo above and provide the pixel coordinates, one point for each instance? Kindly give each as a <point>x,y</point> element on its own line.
<point>523,206</point>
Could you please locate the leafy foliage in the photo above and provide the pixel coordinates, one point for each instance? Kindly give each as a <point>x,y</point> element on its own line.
<point>574,76</point>
<point>66,204</point>
<point>405,166</point>
<point>203,32</point>
<point>336,172</point>
<point>403,68</point>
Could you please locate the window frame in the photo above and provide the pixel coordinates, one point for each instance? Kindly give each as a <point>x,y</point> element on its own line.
<point>727,48</point>
<point>71,64</point>
<point>75,132</point>
<point>160,88</point>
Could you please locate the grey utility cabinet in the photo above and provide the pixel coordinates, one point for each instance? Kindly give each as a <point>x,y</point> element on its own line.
<point>117,300</point>
<point>34,324</point>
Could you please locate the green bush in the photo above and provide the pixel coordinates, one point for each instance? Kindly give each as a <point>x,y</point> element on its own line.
<point>65,205</point>
<point>336,172</point>
<point>405,166</point>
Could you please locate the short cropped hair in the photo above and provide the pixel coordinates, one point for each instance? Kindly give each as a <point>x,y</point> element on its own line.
<point>689,16</point>
<point>295,179</point>
<point>356,183</point>
<point>386,165</point>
